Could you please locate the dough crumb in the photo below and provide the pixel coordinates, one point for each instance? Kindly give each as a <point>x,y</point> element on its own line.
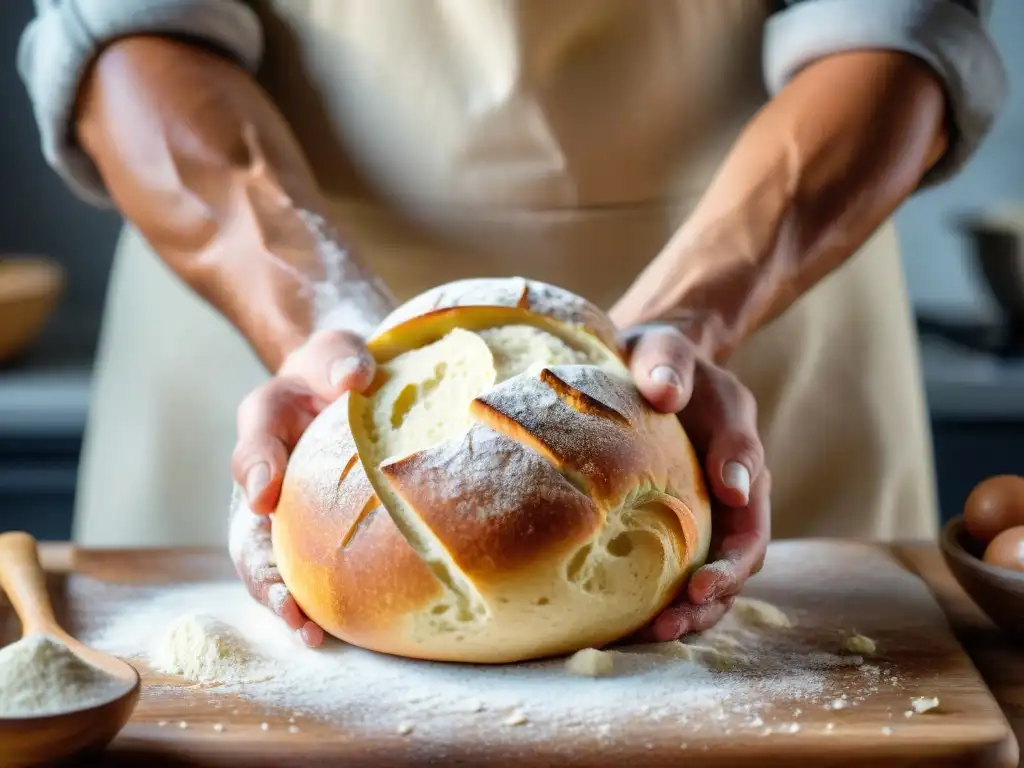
<point>590,662</point>
<point>183,725</point>
<point>293,729</point>
<point>518,717</point>
<point>759,614</point>
<point>838,704</point>
<point>922,704</point>
<point>887,731</point>
<point>404,729</point>
<point>264,726</point>
<point>218,727</point>
<point>859,644</point>
<point>707,656</point>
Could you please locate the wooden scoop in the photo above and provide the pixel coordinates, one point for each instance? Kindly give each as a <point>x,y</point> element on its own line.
<point>28,741</point>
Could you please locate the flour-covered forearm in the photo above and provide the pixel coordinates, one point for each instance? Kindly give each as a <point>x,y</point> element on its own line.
<point>348,297</point>
<point>195,155</point>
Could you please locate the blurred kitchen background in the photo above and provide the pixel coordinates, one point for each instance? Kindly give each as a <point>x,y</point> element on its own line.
<point>974,381</point>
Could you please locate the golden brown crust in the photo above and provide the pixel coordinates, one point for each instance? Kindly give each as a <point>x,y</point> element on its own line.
<point>500,514</point>
<point>328,535</point>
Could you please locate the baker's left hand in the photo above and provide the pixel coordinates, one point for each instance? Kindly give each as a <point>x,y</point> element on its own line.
<point>720,418</point>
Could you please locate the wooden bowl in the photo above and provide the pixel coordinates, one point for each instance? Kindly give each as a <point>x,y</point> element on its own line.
<point>997,591</point>
<point>29,288</point>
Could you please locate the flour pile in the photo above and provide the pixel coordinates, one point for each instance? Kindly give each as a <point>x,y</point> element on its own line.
<point>204,650</point>
<point>750,671</point>
<point>40,675</point>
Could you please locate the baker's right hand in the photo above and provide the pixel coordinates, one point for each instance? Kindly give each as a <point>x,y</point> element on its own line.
<point>271,420</point>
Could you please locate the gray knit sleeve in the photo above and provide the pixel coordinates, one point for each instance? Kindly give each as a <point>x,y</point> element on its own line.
<point>65,35</point>
<point>948,35</point>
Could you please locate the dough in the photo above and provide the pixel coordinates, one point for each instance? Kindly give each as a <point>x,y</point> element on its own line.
<point>591,662</point>
<point>759,614</point>
<point>859,644</point>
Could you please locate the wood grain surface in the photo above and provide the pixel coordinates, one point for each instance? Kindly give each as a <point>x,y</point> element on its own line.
<point>998,656</point>
<point>827,587</point>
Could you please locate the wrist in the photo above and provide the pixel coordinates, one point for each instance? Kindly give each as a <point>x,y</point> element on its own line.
<point>706,292</point>
<point>296,276</point>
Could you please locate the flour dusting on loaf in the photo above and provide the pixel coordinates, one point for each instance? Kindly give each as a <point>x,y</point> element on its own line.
<point>504,449</point>
<point>533,295</point>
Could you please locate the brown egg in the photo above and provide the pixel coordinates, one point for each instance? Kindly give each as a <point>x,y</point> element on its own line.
<point>994,505</point>
<point>1007,549</point>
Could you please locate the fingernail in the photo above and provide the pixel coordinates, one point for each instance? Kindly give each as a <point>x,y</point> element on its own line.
<point>342,369</point>
<point>737,477</point>
<point>256,480</point>
<point>311,635</point>
<point>662,374</point>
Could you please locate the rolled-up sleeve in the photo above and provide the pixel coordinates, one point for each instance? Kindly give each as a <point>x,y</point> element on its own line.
<point>64,37</point>
<point>948,35</point>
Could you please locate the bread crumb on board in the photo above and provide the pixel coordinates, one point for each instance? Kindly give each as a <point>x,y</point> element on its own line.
<point>405,728</point>
<point>707,656</point>
<point>921,704</point>
<point>759,614</point>
<point>590,662</point>
<point>859,644</point>
<point>518,717</point>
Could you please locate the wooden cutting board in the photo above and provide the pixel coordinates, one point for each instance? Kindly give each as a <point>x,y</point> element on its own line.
<point>779,714</point>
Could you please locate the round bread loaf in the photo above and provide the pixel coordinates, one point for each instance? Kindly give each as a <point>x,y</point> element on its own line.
<point>502,492</point>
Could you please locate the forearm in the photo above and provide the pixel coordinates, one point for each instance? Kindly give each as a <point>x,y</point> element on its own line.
<point>196,156</point>
<point>812,176</point>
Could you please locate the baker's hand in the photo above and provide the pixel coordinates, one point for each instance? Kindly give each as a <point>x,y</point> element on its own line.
<point>720,417</point>
<point>271,420</point>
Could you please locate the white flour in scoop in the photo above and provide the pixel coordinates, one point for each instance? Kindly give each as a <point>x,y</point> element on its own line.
<point>742,673</point>
<point>40,675</point>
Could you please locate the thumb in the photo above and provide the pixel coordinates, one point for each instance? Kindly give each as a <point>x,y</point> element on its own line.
<point>662,362</point>
<point>331,363</point>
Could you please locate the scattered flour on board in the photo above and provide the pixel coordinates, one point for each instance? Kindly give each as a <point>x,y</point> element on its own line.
<point>40,675</point>
<point>214,635</point>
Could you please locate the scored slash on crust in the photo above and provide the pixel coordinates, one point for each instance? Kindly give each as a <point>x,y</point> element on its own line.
<point>581,401</point>
<point>372,504</point>
<point>348,468</point>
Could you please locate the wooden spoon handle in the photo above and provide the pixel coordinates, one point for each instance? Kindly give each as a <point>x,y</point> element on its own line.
<point>22,578</point>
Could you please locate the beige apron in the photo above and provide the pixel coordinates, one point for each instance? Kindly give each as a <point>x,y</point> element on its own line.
<point>562,141</point>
